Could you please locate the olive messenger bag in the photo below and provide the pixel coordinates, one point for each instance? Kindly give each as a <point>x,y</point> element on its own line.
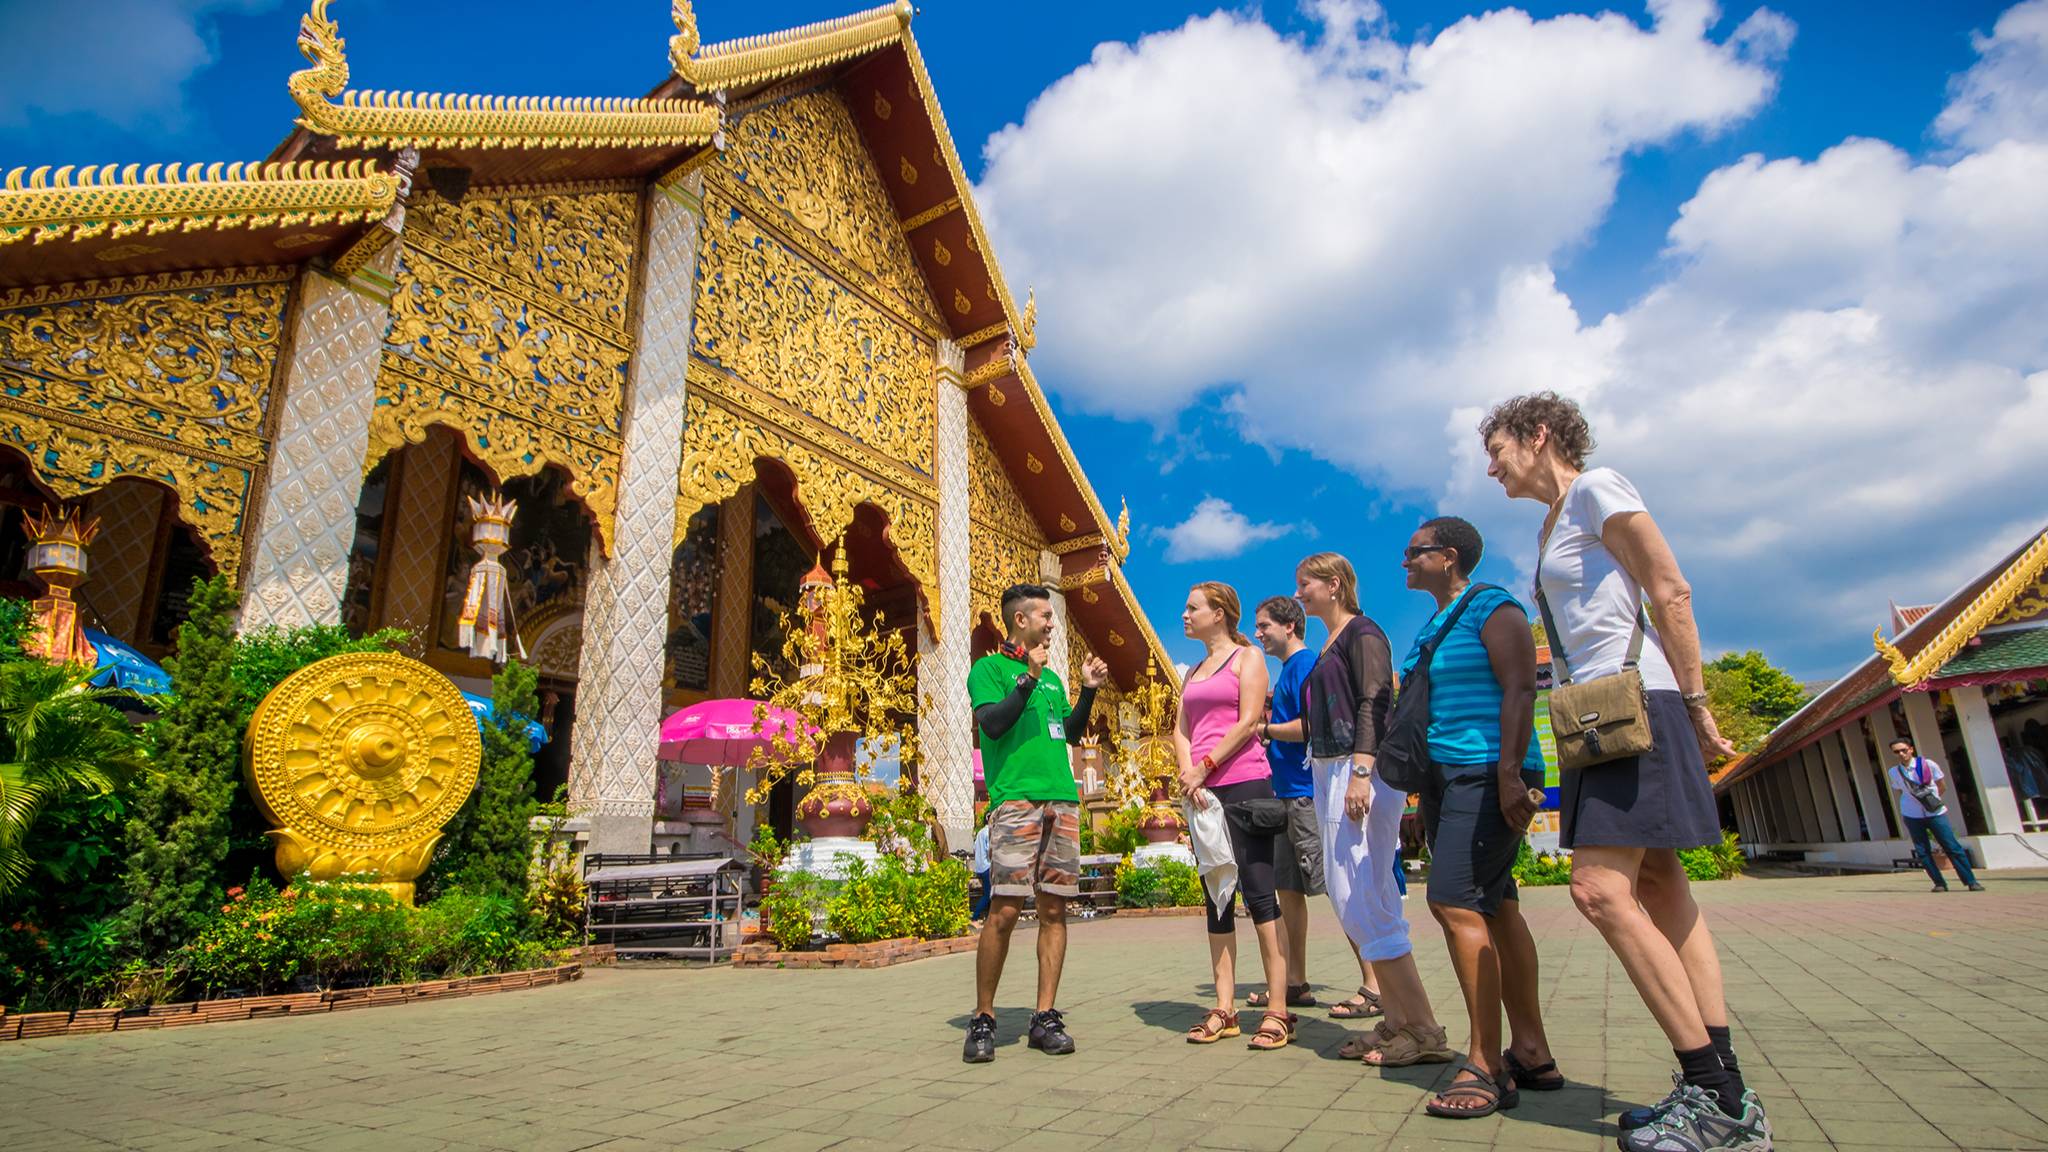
<point>1602,719</point>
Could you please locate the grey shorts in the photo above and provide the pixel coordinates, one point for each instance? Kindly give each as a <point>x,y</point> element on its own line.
<point>1298,866</point>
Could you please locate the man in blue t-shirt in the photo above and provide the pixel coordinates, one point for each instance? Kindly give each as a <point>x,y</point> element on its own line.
<point>1298,866</point>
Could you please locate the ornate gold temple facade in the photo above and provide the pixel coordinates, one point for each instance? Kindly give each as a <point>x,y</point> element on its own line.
<point>697,337</point>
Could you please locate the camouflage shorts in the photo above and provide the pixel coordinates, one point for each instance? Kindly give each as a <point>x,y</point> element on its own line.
<point>1035,846</point>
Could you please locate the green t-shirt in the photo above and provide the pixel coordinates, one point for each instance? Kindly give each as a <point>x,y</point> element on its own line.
<point>1030,761</point>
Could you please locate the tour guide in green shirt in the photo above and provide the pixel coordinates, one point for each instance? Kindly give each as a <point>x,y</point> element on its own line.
<point>1034,818</point>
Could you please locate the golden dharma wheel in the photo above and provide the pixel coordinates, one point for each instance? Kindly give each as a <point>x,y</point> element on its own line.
<point>360,760</point>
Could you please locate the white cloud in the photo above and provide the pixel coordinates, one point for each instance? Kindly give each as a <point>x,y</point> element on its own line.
<point>120,61</point>
<point>2005,95</point>
<point>1216,531</point>
<point>1838,383</point>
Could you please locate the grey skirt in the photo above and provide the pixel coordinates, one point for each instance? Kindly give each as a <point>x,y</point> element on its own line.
<point>1660,799</point>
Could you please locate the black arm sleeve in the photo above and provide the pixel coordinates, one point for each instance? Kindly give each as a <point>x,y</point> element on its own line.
<point>998,718</point>
<point>1077,720</point>
<point>1373,663</point>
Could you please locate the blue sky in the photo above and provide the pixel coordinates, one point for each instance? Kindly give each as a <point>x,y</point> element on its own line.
<point>1658,274</point>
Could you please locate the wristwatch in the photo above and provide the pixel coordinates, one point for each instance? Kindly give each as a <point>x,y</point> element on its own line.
<point>1363,772</point>
<point>1026,681</point>
<point>1694,699</point>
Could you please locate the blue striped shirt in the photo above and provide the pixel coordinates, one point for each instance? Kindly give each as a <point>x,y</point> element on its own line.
<point>1464,697</point>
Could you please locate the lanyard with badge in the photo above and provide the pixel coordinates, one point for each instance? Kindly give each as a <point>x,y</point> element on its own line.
<point>1055,728</point>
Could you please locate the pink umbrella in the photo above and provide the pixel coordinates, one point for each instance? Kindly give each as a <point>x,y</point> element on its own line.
<point>723,732</point>
<point>977,766</point>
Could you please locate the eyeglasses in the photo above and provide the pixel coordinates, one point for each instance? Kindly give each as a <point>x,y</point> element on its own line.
<point>1415,551</point>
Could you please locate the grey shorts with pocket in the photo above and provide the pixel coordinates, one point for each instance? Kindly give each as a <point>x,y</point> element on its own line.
<point>1298,866</point>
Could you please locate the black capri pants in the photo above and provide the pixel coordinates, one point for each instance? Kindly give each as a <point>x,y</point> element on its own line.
<point>1471,848</point>
<point>1254,854</point>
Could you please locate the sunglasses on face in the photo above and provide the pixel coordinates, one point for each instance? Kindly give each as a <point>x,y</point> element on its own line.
<point>1417,551</point>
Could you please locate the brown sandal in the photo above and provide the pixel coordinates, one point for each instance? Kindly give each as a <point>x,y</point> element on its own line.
<point>1298,996</point>
<point>1365,1009</point>
<point>1413,1044</point>
<point>1488,1095</point>
<point>1224,1024</point>
<point>1266,1040</point>
<point>1370,1040</point>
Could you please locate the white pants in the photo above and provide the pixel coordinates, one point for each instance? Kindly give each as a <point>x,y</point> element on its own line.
<point>1358,861</point>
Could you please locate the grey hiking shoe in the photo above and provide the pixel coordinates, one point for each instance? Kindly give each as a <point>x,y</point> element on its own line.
<point>1690,1121</point>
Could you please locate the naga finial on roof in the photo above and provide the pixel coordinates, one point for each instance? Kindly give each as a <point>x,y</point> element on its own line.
<point>682,47</point>
<point>320,43</point>
<point>1027,324</point>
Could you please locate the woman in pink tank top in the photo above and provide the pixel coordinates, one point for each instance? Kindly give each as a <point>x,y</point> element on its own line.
<point>1221,703</point>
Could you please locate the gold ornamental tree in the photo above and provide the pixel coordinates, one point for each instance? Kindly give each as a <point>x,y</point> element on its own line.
<point>834,704</point>
<point>1147,771</point>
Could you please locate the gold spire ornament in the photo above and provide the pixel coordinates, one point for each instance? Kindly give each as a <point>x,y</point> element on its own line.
<point>1148,772</point>
<point>487,606</point>
<point>855,689</point>
<point>358,761</point>
<point>56,554</point>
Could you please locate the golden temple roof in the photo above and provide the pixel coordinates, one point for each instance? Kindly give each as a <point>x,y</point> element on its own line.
<point>1991,606</point>
<point>759,59</point>
<point>116,201</point>
<point>378,119</point>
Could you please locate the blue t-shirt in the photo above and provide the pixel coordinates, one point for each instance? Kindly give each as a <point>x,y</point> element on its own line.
<point>1464,697</point>
<point>1289,759</point>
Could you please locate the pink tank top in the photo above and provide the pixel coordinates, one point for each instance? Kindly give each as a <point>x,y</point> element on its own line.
<point>1211,706</point>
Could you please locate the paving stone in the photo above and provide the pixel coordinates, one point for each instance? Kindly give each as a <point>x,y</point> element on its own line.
<point>1867,1015</point>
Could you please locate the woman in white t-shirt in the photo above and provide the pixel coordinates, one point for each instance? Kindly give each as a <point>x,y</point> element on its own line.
<point>1600,556</point>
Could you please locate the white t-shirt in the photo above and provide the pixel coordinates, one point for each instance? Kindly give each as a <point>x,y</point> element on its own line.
<point>1592,598</point>
<point>981,849</point>
<point>1909,804</point>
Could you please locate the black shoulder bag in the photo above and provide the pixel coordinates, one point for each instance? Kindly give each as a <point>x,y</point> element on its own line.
<point>1403,757</point>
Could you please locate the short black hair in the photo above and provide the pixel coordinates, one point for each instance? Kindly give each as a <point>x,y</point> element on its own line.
<point>1455,532</point>
<point>1016,594</point>
<point>1286,612</point>
<point>1895,741</point>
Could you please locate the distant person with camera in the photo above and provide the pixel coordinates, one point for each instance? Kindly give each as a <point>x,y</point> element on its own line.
<point>1917,780</point>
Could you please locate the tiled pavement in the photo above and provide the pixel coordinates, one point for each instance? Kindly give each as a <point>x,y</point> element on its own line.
<point>1870,1014</point>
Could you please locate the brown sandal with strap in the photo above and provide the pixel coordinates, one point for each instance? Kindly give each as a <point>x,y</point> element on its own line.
<point>1213,1027</point>
<point>1370,1040</point>
<point>1413,1044</point>
<point>1267,1040</point>
<point>1492,1096</point>
<point>1366,1008</point>
<point>1298,996</point>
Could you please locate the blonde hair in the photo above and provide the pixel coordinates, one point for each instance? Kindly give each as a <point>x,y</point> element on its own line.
<point>1223,598</point>
<point>1333,567</point>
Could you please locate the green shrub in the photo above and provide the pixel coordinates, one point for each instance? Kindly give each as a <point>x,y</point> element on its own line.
<point>902,822</point>
<point>873,902</point>
<point>244,946</point>
<point>488,845</point>
<point>467,933</point>
<point>1721,861</point>
<point>1540,870</point>
<point>1119,834</point>
<point>179,828</point>
<point>939,903</point>
<point>791,907</point>
<point>1162,884</point>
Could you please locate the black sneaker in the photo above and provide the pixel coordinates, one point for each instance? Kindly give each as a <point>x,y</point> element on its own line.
<point>1049,1033</point>
<point>1976,887</point>
<point>981,1040</point>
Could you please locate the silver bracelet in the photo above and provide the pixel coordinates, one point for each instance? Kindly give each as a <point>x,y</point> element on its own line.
<point>1694,699</point>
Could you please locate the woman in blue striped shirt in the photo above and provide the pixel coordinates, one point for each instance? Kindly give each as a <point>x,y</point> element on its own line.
<point>1486,779</point>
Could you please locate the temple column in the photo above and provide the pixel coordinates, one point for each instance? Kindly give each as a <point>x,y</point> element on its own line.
<point>1823,796</point>
<point>1987,761</point>
<point>625,624</point>
<point>1869,793</point>
<point>1798,782</point>
<point>413,579</point>
<point>296,570</point>
<point>1924,727</point>
<point>1838,786</point>
<point>732,642</point>
<point>945,719</point>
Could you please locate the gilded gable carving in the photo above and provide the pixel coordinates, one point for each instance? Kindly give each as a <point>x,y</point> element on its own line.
<point>720,445</point>
<point>805,157</point>
<point>165,386</point>
<point>1003,537</point>
<point>510,324</point>
<point>802,341</point>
